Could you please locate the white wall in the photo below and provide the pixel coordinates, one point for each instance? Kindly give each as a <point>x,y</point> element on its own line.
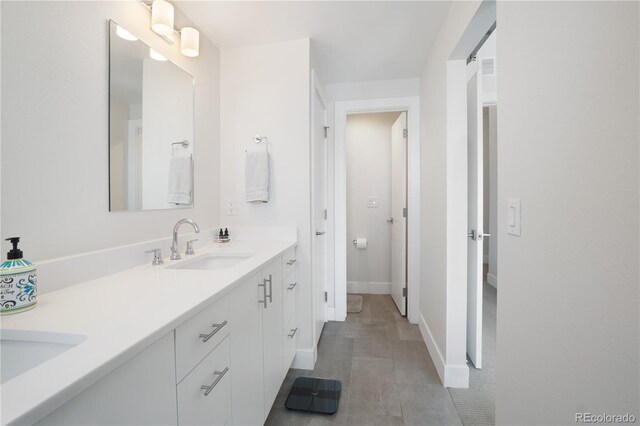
<point>265,90</point>
<point>55,128</point>
<point>368,144</point>
<point>443,292</point>
<point>568,319</point>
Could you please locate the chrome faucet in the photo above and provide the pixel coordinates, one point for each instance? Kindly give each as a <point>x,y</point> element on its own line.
<point>174,246</point>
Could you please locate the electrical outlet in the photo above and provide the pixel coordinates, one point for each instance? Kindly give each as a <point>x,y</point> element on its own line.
<point>231,208</point>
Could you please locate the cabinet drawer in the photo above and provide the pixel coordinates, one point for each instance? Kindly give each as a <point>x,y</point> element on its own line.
<point>289,290</point>
<point>290,336</point>
<point>288,261</point>
<point>199,335</point>
<point>204,396</point>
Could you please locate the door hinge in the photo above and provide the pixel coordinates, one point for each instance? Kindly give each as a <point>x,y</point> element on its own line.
<point>326,296</point>
<point>405,133</point>
<point>404,212</point>
<point>325,214</point>
<point>326,131</point>
<point>404,292</point>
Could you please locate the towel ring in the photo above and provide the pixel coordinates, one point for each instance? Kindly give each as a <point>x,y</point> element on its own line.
<point>259,139</point>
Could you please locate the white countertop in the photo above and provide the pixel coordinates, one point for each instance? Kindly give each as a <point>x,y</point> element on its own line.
<point>121,314</point>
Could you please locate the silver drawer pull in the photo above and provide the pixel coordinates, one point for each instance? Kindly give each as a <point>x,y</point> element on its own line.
<point>207,389</point>
<point>217,327</point>
<point>264,287</point>
<point>270,295</point>
<point>291,262</point>
<point>293,332</point>
<point>292,286</point>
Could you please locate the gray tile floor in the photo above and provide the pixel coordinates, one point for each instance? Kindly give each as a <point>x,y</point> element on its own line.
<point>387,375</point>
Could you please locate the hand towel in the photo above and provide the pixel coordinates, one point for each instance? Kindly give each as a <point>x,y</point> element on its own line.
<point>257,176</point>
<point>180,180</point>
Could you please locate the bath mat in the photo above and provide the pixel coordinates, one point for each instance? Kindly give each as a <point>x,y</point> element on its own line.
<point>354,303</point>
<point>314,395</point>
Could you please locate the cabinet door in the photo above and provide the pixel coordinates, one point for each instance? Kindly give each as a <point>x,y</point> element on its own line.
<point>142,391</point>
<point>272,335</point>
<point>247,383</point>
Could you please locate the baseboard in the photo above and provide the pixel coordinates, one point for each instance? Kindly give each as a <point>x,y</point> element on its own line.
<point>452,376</point>
<point>331,314</point>
<point>305,359</point>
<point>492,280</point>
<point>371,287</point>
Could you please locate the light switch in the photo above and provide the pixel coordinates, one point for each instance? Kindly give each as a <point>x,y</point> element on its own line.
<point>231,208</point>
<point>513,216</point>
<point>372,202</point>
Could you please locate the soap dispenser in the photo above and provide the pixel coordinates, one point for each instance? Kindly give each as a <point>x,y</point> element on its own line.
<point>18,288</point>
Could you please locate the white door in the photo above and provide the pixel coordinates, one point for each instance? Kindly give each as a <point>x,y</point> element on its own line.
<point>398,219</point>
<point>475,217</point>
<point>319,205</point>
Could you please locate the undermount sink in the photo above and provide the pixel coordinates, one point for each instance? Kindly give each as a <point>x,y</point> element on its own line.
<point>22,350</point>
<point>213,261</point>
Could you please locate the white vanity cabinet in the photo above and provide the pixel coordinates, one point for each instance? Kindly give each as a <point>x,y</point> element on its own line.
<point>272,332</point>
<point>142,391</point>
<point>224,365</point>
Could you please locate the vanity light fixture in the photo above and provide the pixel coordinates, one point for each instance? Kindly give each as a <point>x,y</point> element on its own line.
<point>190,42</point>
<point>162,17</point>
<point>155,55</point>
<point>122,33</point>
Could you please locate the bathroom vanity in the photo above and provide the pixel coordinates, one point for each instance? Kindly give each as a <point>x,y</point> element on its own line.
<point>204,340</point>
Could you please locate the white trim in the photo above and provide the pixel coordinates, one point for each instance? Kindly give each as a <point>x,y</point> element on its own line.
<point>492,280</point>
<point>317,92</point>
<point>432,347</point>
<point>411,104</point>
<point>451,375</point>
<point>305,359</point>
<point>369,287</point>
<point>331,313</point>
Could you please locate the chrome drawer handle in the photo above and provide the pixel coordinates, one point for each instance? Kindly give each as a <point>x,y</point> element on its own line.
<point>270,295</point>
<point>293,332</point>
<point>207,389</point>
<point>291,262</point>
<point>264,287</point>
<point>292,286</point>
<point>217,327</point>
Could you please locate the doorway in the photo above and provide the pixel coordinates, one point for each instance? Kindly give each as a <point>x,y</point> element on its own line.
<point>477,403</point>
<point>338,293</point>
<point>376,207</point>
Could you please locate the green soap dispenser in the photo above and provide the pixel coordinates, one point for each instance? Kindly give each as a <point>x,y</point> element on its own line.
<point>18,288</point>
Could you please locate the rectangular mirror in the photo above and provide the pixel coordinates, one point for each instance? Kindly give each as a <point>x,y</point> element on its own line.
<point>150,127</point>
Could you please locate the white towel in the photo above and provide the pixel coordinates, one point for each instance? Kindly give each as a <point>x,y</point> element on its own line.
<point>257,176</point>
<point>180,180</point>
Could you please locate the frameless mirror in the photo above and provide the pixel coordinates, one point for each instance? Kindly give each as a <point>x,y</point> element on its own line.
<point>150,127</point>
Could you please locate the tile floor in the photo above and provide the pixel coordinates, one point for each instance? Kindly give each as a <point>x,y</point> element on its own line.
<point>387,375</point>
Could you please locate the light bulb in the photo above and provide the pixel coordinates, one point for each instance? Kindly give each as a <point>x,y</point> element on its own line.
<point>162,18</point>
<point>122,33</point>
<point>155,55</point>
<point>190,42</point>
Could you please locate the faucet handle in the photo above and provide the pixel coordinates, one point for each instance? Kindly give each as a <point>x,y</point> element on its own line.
<point>157,256</point>
<point>190,247</point>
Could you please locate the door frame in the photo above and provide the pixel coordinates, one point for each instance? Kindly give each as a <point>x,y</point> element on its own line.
<point>317,91</point>
<point>411,104</point>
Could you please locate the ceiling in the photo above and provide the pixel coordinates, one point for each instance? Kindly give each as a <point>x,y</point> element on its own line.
<point>353,40</point>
